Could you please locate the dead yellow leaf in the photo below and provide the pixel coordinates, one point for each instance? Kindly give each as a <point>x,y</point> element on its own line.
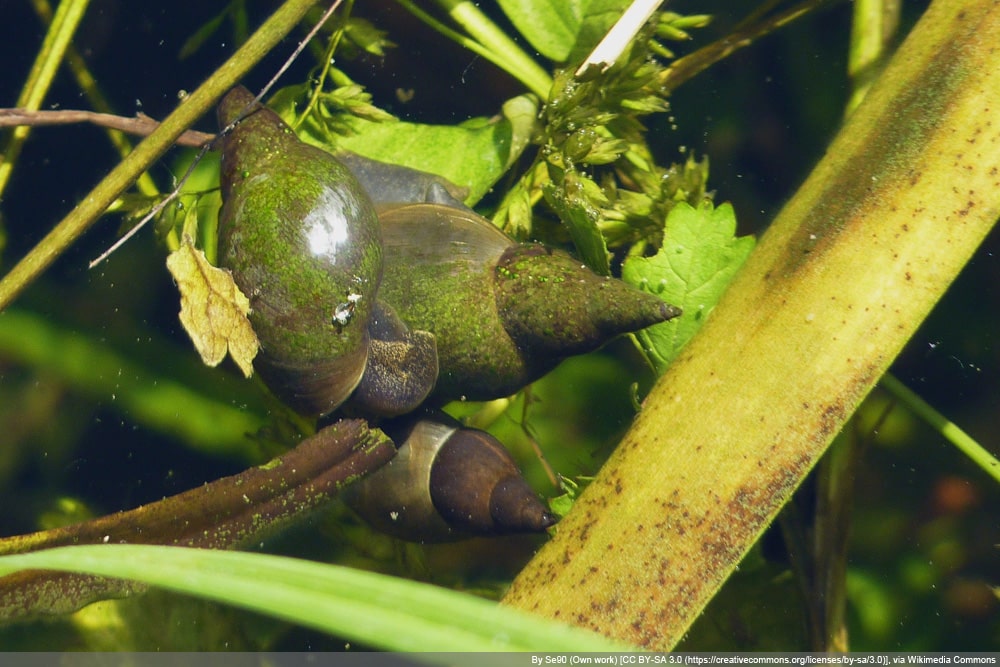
<point>213,309</point>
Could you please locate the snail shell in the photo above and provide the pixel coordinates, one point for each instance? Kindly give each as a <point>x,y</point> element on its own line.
<point>447,482</point>
<point>303,242</point>
<point>503,313</point>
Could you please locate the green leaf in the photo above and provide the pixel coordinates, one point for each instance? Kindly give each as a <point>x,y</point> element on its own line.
<point>473,155</point>
<point>367,37</point>
<point>700,255</point>
<point>560,28</point>
<point>562,504</point>
<point>472,158</point>
<point>522,114</point>
<point>377,610</point>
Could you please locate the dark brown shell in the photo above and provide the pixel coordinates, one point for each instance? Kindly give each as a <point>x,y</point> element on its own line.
<point>447,482</point>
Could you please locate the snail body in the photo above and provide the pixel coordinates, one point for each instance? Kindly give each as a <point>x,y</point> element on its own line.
<point>302,240</point>
<point>446,482</point>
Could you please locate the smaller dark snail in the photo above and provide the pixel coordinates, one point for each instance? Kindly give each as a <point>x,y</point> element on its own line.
<point>447,482</point>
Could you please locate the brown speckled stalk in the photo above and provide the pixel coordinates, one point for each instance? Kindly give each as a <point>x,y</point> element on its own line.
<point>837,285</point>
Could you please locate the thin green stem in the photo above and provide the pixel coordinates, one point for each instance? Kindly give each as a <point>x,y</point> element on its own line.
<point>155,145</point>
<point>831,528</point>
<point>455,36</point>
<point>873,27</point>
<point>50,56</point>
<point>684,69</point>
<point>86,82</point>
<point>955,435</point>
<point>327,61</point>
<point>488,41</point>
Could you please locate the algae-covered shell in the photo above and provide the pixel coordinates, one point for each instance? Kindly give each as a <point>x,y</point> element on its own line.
<point>503,313</point>
<point>303,242</point>
<point>459,303</point>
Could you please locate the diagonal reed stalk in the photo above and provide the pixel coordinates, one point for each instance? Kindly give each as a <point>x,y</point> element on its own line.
<point>837,285</point>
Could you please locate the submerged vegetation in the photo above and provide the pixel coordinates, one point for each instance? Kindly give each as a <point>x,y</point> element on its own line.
<point>837,515</point>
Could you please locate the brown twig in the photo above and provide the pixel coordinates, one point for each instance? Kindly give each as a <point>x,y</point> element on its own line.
<point>749,30</point>
<point>141,125</point>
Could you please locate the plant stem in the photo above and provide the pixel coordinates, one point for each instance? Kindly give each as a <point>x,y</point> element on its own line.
<point>955,435</point>
<point>146,153</point>
<point>141,126</point>
<point>85,80</point>
<point>490,42</point>
<point>873,27</point>
<point>746,33</point>
<point>327,64</point>
<point>50,56</point>
<point>831,527</point>
<point>837,285</point>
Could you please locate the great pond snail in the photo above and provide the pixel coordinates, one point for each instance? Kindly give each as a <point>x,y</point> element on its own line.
<point>446,482</point>
<point>502,313</point>
<point>379,289</point>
